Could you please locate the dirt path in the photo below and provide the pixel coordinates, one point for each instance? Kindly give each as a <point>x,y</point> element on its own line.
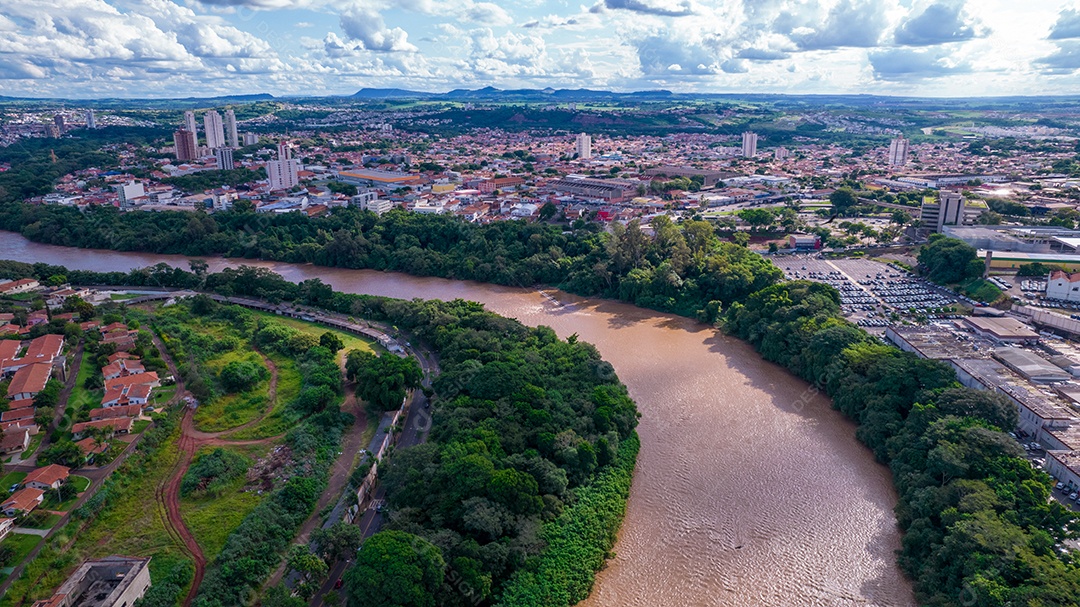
<point>191,440</point>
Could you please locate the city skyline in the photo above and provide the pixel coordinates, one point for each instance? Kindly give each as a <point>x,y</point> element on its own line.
<point>118,48</point>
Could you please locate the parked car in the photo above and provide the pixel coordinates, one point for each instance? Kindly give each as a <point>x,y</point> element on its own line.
<point>1059,486</point>
<point>1073,496</point>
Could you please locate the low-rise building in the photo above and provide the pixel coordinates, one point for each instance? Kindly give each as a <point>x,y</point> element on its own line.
<point>115,581</point>
<point>47,477</point>
<point>29,381</point>
<point>14,440</point>
<point>22,502</point>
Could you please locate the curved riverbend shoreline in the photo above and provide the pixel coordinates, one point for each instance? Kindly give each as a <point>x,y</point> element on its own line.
<point>749,489</point>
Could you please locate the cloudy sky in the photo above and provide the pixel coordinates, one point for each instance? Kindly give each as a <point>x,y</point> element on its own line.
<point>162,48</point>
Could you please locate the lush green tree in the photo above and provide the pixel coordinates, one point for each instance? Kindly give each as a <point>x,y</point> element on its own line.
<point>65,453</point>
<point>338,542</point>
<point>842,200</point>
<point>395,569</point>
<point>949,260</point>
<point>331,341</point>
<point>382,381</point>
<point>242,375</point>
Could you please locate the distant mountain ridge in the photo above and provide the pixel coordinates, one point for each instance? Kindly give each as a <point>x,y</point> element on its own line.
<point>492,93</point>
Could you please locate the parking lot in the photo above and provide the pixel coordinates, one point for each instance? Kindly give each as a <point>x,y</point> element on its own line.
<point>873,294</point>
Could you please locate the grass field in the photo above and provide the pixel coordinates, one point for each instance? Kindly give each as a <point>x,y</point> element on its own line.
<point>140,425</point>
<point>81,398</point>
<point>278,421</point>
<point>132,526</point>
<point>10,479</point>
<point>231,410</point>
<point>212,518</point>
<point>21,545</point>
<point>352,342</point>
<point>46,522</point>
<point>81,482</point>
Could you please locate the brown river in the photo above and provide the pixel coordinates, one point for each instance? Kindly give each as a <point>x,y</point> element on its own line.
<point>749,490</point>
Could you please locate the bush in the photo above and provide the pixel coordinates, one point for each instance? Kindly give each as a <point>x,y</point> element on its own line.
<point>212,472</point>
<point>242,375</point>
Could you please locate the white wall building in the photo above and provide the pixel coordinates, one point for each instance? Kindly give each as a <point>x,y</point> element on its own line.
<point>898,152</point>
<point>749,144</point>
<point>224,157</point>
<point>190,124</point>
<point>282,174</point>
<point>91,123</point>
<point>215,130</point>
<point>583,145</point>
<point>1063,286</point>
<point>130,191</point>
<point>251,138</point>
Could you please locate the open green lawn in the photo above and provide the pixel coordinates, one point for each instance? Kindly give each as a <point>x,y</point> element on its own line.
<point>10,479</point>
<point>212,518</point>
<point>231,410</point>
<point>21,544</point>
<point>34,442</point>
<point>82,399</point>
<point>123,296</point>
<point>278,421</point>
<point>140,425</point>
<point>161,396</point>
<point>352,342</point>
<point>81,483</point>
<point>37,521</point>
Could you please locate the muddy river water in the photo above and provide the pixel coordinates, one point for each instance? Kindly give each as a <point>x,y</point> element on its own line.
<point>749,489</point>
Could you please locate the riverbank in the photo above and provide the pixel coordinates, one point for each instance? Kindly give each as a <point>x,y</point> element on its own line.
<point>746,478</point>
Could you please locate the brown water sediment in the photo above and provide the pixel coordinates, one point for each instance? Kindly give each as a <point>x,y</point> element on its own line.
<point>749,489</point>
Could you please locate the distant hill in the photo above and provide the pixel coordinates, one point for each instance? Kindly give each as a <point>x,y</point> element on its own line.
<point>491,93</point>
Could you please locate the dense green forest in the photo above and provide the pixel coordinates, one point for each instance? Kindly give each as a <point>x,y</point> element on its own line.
<point>686,268</point>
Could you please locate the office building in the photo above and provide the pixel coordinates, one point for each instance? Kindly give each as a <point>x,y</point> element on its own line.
<point>114,581</point>
<point>749,145</point>
<point>251,138</point>
<point>184,140</point>
<point>190,125</point>
<point>230,128</point>
<point>898,152</point>
<point>215,131</point>
<point>224,157</point>
<point>949,210</point>
<point>90,122</point>
<point>584,146</point>
<point>129,191</point>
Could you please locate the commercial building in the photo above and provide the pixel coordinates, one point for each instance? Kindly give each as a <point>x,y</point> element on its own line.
<point>114,581</point>
<point>1012,261</point>
<point>384,180</point>
<point>129,191</point>
<point>224,157</point>
<point>230,128</point>
<point>1001,329</point>
<point>804,241</point>
<point>950,209</point>
<point>898,152</point>
<point>709,178</point>
<point>1031,366</point>
<point>611,190</point>
<point>943,181</point>
<point>1063,286</point>
<point>215,131</point>
<point>999,238</point>
<point>749,144</point>
<point>186,147</point>
<point>583,145</point>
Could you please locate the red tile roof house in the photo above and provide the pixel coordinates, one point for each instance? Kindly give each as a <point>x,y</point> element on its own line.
<point>22,501</point>
<point>115,412</point>
<point>28,381</point>
<point>89,448</point>
<point>149,378</point>
<point>14,440</point>
<point>15,415</point>
<point>47,477</point>
<point>121,425</point>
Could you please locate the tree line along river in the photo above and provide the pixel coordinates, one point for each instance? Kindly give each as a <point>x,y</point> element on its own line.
<point>749,490</point>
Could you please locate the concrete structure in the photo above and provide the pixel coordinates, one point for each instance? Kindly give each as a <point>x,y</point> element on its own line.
<point>1001,329</point>
<point>612,190</point>
<point>949,210</point>
<point>1063,286</point>
<point>283,174</point>
<point>709,178</point>
<point>129,191</point>
<point>583,146</point>
<point>898,151</point>
<point>224,157</point>
<point>384,180</point>
<point>749,144</point>
<point>1064,466</point>
<point>114,581</point>
<point>215,130</point>
<point>1012,261</point>
<point>251,138</point>
<point>377,205</point>
<point>804,241</point>
<point>1030,366</point>
<point>190,124</point>
<point>91,123</point>
<point>230,129</point>
<point>58,120</point>
<point>781,154</point>
<point>997,238</point>
<point>186,145</point>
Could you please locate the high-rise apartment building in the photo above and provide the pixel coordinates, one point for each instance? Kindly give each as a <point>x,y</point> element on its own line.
<point>58,120</point>
<point>224,157</point>
<point>190,125</point>
<point>215,130</point>
<point>283,172</point>
<point>284,152</point>
<point>584,146</point>
<point>780,153</point>
<point>90,122</point>
<point>251,138</point>
<point>749,144</point>
<point>230,128</point>
<point>898,152</point>
<point>186,149</point>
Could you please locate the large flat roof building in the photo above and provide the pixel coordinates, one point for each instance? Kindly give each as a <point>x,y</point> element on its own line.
<point>1002,329</point>
<point>1031,366</point>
